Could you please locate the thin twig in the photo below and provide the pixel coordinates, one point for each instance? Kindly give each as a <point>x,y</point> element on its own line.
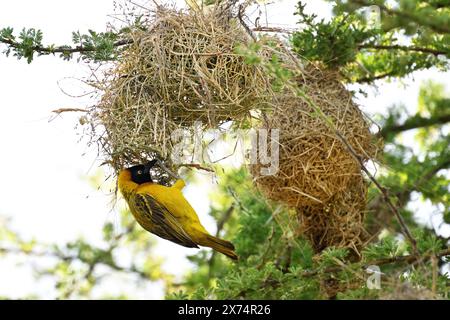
<point>241,20</point>
<point>272,29</point>
<point>62,110</point>
<point>196,166</point>
<point>404,195</point>
<point>383,191</point>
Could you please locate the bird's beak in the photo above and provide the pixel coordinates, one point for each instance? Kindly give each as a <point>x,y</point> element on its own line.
<point>150,164</point>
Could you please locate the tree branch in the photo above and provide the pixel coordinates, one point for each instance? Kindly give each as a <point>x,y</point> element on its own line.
<point>70,258</point>
<point>404,195</point>
<point>412,258</point>
<point>373,78</point>
<point>403,48</point>
<point>393,73</point>
<point>414,123</point>
<point>428,22</point>
<point>62,49</point>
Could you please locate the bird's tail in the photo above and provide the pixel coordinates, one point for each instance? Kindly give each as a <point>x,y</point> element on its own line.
<point>223,246</point>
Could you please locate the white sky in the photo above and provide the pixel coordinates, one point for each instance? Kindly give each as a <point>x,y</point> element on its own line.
<point>42,189</point>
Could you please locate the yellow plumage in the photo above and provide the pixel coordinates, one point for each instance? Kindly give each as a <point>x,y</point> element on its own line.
<point>165,212</point>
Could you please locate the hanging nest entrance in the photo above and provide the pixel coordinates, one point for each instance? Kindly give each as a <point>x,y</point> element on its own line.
<point>181,67</point>
<point>314,165</point>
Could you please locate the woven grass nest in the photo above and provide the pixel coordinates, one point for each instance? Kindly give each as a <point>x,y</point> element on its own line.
<point>181,67</point>
<point>314,165</point>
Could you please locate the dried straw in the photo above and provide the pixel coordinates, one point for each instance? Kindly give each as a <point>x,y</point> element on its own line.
<point>339,222</point>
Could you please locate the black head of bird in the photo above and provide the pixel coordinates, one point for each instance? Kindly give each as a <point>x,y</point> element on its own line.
<point>141,173</point>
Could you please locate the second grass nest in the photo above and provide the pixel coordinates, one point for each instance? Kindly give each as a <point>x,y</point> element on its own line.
<point>314,164</point>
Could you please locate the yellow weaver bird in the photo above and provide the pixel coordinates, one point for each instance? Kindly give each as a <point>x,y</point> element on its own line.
<point>165,212</point>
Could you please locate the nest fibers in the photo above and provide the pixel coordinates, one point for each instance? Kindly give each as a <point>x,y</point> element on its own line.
<point>314,165</point>
<point>339,222</point>
<point>181,67</point>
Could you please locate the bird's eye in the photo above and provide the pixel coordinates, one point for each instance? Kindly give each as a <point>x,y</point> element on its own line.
<point>139,172</point>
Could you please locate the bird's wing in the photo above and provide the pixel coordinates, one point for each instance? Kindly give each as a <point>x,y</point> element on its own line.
<point>164,224</point>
